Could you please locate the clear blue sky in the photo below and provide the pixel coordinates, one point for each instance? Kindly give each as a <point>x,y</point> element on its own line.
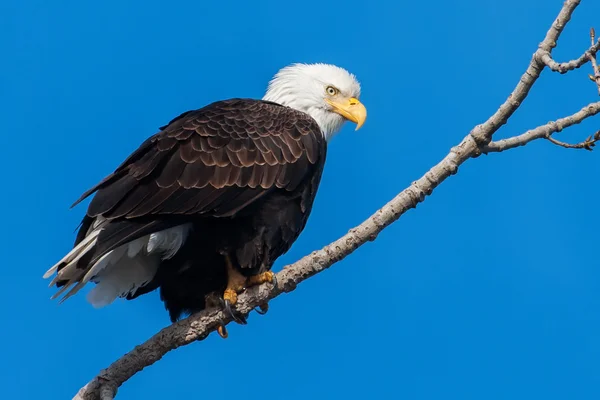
<point>488,290</point>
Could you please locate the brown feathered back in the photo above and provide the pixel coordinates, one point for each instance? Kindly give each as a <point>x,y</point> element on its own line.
<point>213,160</point>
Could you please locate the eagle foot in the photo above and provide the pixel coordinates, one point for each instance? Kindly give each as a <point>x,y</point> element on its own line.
<point>230,298</point>
<point>255,280</point>
<point>259,279</point>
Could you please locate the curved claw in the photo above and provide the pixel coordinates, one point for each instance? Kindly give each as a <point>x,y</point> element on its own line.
<point>222,331</point>
<point>262,309</point>
<point>237,317</point>
<point>274,281</point>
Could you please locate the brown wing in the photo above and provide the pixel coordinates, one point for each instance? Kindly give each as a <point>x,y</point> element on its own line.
<point>212,161</point>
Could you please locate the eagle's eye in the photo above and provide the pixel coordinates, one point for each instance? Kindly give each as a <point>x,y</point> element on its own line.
<point>331,91</point>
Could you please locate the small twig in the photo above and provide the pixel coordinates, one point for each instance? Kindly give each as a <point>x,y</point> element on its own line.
<point>587,144</point>
<point>564,67</point>
<point>543,131</point>
<point>592,57</point>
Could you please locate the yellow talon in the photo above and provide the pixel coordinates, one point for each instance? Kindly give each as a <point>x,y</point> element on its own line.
<point>260,279</point>
<point>230,295</point>
<point>235,285</point>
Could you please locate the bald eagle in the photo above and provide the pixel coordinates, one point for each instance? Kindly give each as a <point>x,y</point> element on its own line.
<point>205,206</point>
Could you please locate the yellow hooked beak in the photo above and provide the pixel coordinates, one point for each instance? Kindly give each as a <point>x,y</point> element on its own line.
<point>351,109</point>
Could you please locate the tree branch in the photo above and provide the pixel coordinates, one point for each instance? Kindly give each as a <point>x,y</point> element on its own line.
<point>565,67</point>
<point>544,131</point>
<point>483,133</point>
<point>592,57</point>
<point>587,144</point>
<point>198,326</point>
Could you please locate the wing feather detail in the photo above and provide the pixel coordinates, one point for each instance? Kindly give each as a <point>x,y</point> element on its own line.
<point>213,161</point>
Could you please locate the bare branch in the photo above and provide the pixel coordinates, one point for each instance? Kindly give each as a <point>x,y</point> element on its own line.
<point>483,133</point>
<point>565,67</point>
<point>592,57</point>
<point>544,131</point>
<point>198,326</point>
<point>588,144</point>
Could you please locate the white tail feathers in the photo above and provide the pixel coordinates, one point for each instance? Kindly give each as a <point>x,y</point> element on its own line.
<point>126,278</point>
<point>120,271</point>
<point>77,252</point>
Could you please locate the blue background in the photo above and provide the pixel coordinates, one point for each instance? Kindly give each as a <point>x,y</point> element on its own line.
<point>489,289</point>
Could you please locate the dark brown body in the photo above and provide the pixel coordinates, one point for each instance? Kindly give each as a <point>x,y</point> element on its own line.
<point>244,173</point>
<point>255,239</point>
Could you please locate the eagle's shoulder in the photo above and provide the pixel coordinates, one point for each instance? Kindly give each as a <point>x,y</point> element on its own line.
<point>245,113</point>
<point>235,143</point>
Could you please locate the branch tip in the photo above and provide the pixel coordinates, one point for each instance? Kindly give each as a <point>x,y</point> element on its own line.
<point>588,144</point>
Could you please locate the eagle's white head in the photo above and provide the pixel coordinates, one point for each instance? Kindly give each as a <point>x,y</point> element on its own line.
<point>326,92</point>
